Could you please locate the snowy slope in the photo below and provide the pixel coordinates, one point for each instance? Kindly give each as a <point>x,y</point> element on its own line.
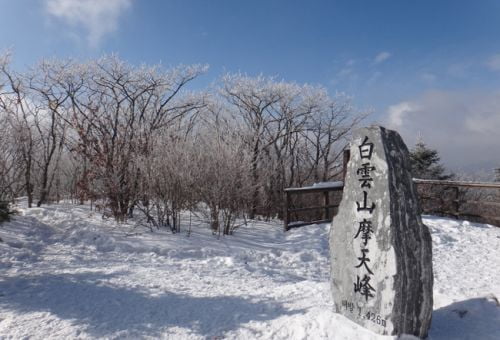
<point>66,273</point>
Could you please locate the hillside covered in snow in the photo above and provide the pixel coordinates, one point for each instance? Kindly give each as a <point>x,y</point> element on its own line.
<point>67,273</point>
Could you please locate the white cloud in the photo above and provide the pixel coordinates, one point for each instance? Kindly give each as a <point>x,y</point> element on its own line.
<point>460,70</point>
<point>397,112</point>
<point>494,62</point>
<point>464,127</point>
<point>428,77</point>
<point>346,71</point>
<point>97,18</point>
<point>346,74</point>
<point>374,78</point>
<point>350,62</point>
<point>381,57</point>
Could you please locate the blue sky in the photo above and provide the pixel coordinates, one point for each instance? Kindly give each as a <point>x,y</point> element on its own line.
<point>429,69</point>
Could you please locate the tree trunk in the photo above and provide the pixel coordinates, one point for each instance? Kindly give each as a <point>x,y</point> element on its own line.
<point>255,178</point>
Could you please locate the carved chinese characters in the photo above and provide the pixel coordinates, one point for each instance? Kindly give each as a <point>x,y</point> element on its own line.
<point>381,257</point>
<point>363,287</point>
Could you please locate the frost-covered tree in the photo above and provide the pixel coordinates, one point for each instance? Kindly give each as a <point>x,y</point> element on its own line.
<point>281,123</point>
<point>20,113</point>
<point>255,101</point>
<point>425,163</point>
<point>133,139</point>
<point>222,173</point>
<point>32,103</point>
<point>10,162</point>
<point>49,127</point>
<point>115,110</point>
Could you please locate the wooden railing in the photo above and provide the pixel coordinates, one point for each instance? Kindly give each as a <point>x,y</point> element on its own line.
<point>458,202</point>
<point>327,208</point>
<point>459,195</point>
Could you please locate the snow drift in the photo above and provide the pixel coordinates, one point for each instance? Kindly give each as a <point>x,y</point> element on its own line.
<point>66,273</point>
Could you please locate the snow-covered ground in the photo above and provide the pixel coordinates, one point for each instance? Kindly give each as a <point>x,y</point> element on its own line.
<point>65,273</point>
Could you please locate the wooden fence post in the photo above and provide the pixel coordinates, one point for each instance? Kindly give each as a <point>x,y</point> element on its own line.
<point>286,214</point>
<point>457,202</point>
<point>327,203</point>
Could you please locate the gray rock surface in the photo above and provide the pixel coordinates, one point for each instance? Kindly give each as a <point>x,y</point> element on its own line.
<point>381,252</point>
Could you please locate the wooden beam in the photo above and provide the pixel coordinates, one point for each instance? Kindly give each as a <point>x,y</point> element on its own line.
<point>458,183</point>
<point>300,224</point>
<point>330,206</point>
<point>308,190</point>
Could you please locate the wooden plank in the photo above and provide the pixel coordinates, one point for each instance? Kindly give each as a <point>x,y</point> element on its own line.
<point>314,208</point>
<point>340,187</point>
<point>307,190</point>
<point>493,204</point>
<point>458,183</point>
<point>300,224</point>
<point>493,218</point>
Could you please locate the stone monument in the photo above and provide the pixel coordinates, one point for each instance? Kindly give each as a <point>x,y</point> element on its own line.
<point>381,252</point>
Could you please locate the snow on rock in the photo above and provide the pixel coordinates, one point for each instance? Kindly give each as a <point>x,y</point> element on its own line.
<point>67,273</point>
